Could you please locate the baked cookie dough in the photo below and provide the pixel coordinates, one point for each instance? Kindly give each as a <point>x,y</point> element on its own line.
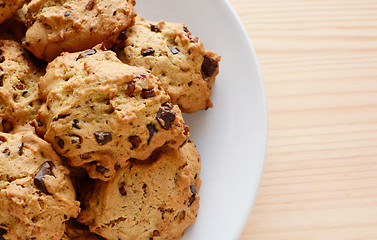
<point>187,71</point>
<point>19,100</point>
<point>99,112</point>
<point>36,194</point>
<point>56,26</point>
<point>8,8</point>
<point>155,199</point>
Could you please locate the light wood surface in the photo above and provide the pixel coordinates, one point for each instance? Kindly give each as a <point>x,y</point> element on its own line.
<point>319,62</point>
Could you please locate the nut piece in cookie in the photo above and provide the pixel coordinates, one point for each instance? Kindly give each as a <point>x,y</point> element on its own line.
<point>99,112</point>
<point>187,71</point>
<point>155,199</point>
<point>8,8</point>
<point>36,193</point>
<point>70,26</point>
<point>19,100</point>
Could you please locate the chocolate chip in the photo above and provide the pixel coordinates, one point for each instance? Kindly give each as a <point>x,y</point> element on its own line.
<point>20,86</point>
<point>86,53</point>
<point>144,187</point>
<point>115,13</point>
<point>101,169</point>
<point>2,59</point>
<point>193,189</point>
<point>152,130</point>
<point>61,143</point>
<point>209,66</point>
<point>135,141</point>
<point>147,52</point>
<point>117,166</point>
<point>67,14</point>
<point>21,149</point>
<point>74,124</point>
<point>154,28</point>
<point>1,80</point>
<point>60,116</point>
<point>2,139</point>
<point>123,35</point>
<point>156,233</point>
<point>6,151</point>
<point>147,93</point>
<point>7,126</point>
<point>130,88</point>
<point>2,4</point>
<point>189,35</point>
<point>2,232</point>
<point>40,124</point>
<point>103,137</point>
<point>90,5</point>
<point>44,170</point>
<point>165,117</point>
<point>189,83</point>
<point>86,155</point>
<point>122,191</point>
<point>174,50</point>
<point>186,129</point>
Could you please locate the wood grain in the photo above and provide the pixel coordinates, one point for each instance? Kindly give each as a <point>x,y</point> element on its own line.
<point>319,63</point>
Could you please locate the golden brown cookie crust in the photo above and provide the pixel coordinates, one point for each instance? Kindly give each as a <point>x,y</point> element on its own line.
<point>186,69</point>
<point>70,26</point>
<point>147,200</point>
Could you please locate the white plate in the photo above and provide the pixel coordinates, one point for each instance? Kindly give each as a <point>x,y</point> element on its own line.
<point>231,137</point>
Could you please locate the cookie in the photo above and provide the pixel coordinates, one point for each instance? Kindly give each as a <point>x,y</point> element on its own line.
<point>8,8</point>
<point>187,71</point>
<point>99,112</point>
<point>19,100</point>
<point>57,26</point>
<point>36,194</point>
<point>155,199</point>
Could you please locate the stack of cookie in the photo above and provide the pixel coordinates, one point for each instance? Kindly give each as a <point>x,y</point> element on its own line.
<point>92,138</point>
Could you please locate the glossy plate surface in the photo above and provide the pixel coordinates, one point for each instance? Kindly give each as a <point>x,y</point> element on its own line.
<point>231,137</point>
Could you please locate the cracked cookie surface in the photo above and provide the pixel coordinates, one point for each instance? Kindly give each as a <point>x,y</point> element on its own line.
<point>154,199</point>
<point>36,193</point>
<point>99,112</point>
<point>57,26</point>
<point>186,69</point>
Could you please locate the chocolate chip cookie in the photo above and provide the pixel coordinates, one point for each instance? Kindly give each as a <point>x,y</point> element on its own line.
<point>56,26</point>
<point>8,8</point>
<point>99,112</point>
<point>154,199</point>
<point>169,50</point>
<point>36,193</point>
<point>19,100</point>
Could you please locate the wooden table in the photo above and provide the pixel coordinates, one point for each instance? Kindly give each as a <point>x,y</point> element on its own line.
<point>319,63</point>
